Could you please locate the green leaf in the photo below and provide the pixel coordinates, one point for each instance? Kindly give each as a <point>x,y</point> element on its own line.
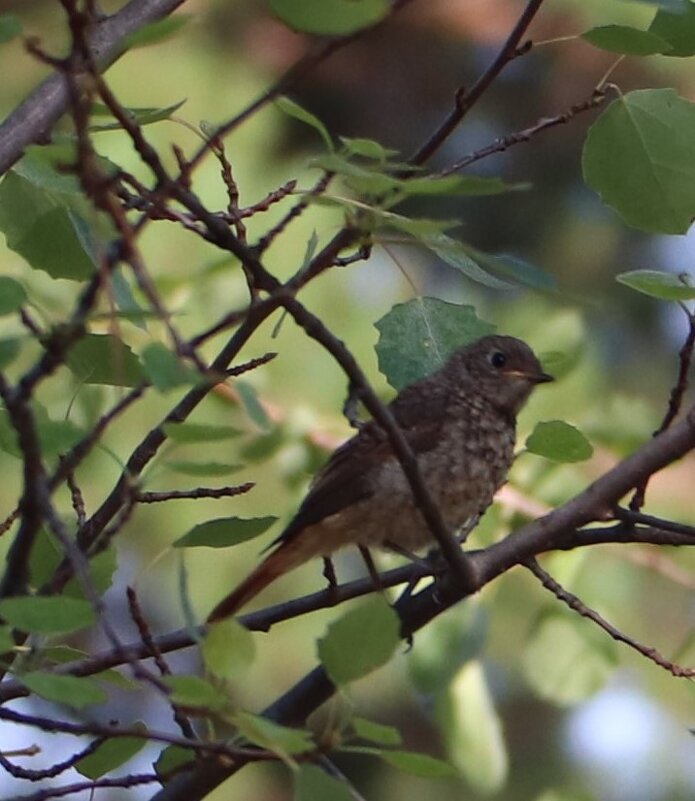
<point>193,692</point>
<point>664,286</point>
<point>457,255</point>
<point>311,783</point>
<point>224,531</point>
<point>227,649</point>
<point>626,40</point>
<point>156,32</point>
<point>376,732</point>
<point>366,148</point>
<point>102,568</point>
<point>165,369</point>
<point>515,269</point>
<point>49,236</point>
<point>42,166</point>
<point>139,116</point>
<point>10,27</point>
<point>472,730</point>
<point>471,185</point>
<point>12,295</point>
<point>330,17</point>
<point>208,469</point>
<point>678,29</point>
<point>57,436</point>
<point>186,433</point>
<point>77,692</point>
<point>111,754</point>
<point>360,641</point>
<point>171,760</point>
<point>104,359</point>
<point>7,642</point>
<point>559,441</point>
<point>43,615</point>
<point>418,764</point>
<point>297,112</point>
<point>252,406</point>
<point>417,337</point>
<point>639,157</point>
<point>267,734</point>
<point>9,350</point>
<point>565,661</point>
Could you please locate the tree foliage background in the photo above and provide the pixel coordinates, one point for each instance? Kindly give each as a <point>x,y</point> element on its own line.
<point>254,209</point>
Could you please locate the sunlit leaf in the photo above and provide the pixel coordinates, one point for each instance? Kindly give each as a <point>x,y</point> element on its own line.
<point>227,649</point>
<point>224,531</point>
<point>360,641</point>
<point>43,615</point>
<point>417,337</point>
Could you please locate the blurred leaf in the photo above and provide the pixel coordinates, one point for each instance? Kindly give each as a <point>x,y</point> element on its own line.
<point>311,783</point>
<point>417,337</point>
<point>227,649</point>
<point>566,661</point>
<point>376,732</point>
<point>7,642</point>
<point>224,531</point>
<point>139,116</point>
<point>9,350</point>
<point>104,359</point>
<point>472,729</point>
<point>55,436</point>
<point>252,406</point>
<point>296,111</point>
<point>129,308</point>
<point>111,754</point>
<point>203,469</point>
<point>156,32</point>
<point>677,28</point>
<point>456,254</point>
<point>165,369</point>
<point>560,363</point>
<point>419,227</point>
<point>171,760</point>
<point>360,641</point>
<point>444,646</point>
<point>367,148</point>
<point>264,446</point>
<point>186,433</point>
<point>267,734</point>
<point>12,295</point>
<point>564,795</point>
<point>10,27</point>
<point>113,677</point>
<point>43,167</point>
<point>637,156</point>
<point>559,441</point>
<point>330,17</point>
<point>471,185</point>
<point>43,615</point>
<point>77,692</point>
<point>626,40</point>
<point>101,571</point>
<point>418,764</point>
<point>515,269</point>
<point>664,286</point>
<point>193,692</point>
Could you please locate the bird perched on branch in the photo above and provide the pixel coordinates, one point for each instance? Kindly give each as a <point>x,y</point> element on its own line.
<point>460,423</point>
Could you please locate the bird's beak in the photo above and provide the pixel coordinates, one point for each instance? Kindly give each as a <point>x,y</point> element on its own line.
<point>534,378</point>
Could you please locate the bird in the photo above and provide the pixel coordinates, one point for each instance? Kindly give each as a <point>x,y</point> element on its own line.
<point>460,423</point>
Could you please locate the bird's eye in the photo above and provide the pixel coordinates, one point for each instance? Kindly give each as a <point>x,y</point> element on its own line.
<point>498,359</point>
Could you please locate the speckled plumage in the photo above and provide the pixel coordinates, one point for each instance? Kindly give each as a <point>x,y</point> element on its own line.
<point>460,422</point>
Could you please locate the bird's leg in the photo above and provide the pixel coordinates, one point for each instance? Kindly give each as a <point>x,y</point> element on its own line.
<point>329,574</point>
<point>409,555</point>
<point>371,568</point>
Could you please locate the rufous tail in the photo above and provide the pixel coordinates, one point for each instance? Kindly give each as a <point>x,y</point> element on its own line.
<point>289,555</point>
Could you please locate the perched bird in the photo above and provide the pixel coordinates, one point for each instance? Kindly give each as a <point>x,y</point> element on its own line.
<point>461,424</point>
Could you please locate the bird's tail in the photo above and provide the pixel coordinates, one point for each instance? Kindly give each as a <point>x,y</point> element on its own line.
<point>289,555</point>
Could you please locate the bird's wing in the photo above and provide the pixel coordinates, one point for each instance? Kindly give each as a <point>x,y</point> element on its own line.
<point>346,478</point>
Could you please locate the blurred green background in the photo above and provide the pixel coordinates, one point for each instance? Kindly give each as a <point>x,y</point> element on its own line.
<point>603,724</point>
